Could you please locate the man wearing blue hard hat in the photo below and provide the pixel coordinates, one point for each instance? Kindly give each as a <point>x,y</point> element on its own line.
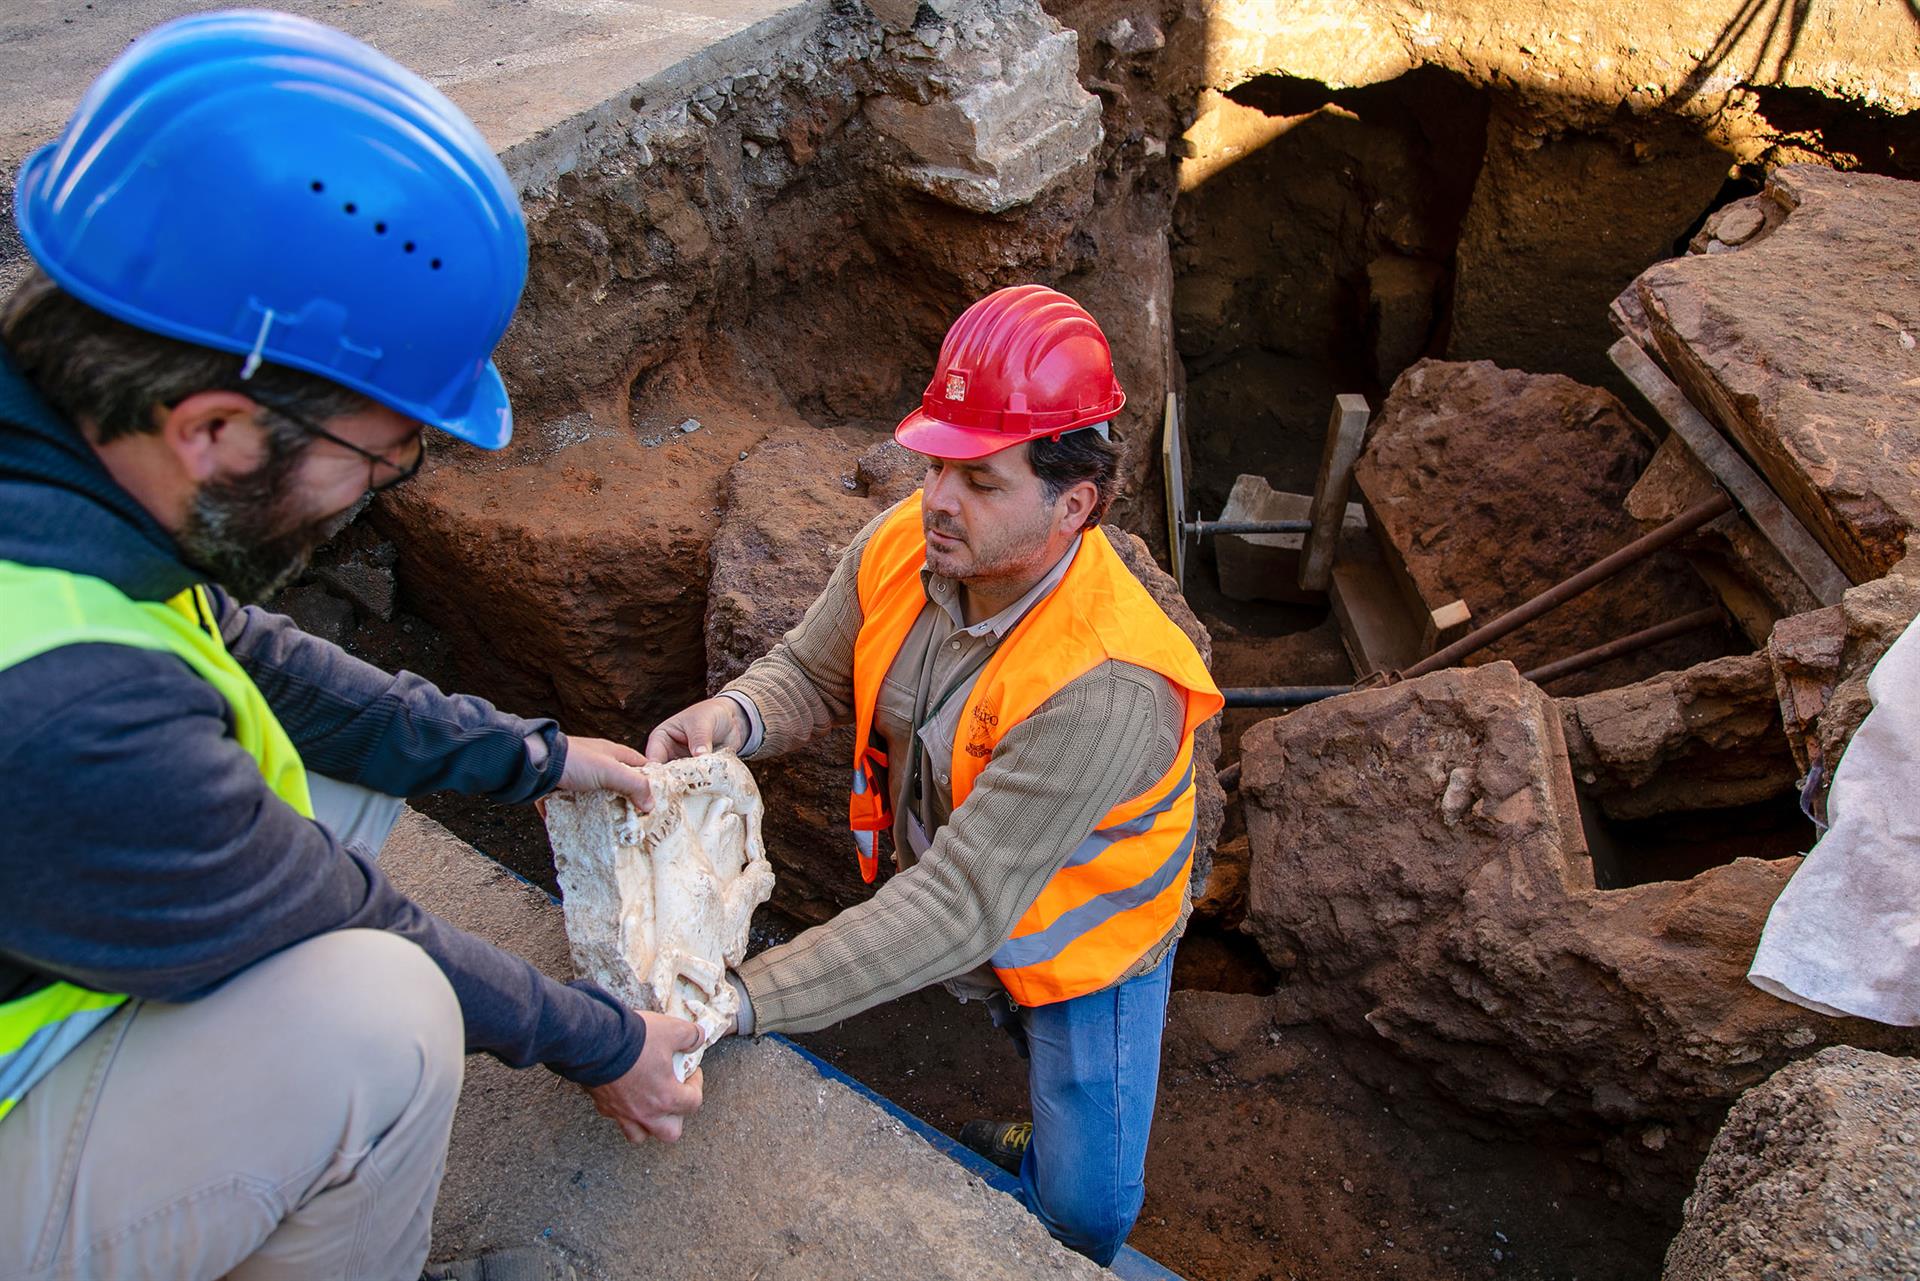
<point>269,259</point>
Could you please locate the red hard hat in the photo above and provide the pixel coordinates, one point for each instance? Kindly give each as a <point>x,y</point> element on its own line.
<point>1021,363</point>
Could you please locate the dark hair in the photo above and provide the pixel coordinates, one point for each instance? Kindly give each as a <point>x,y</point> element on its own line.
<point>111,375</point>
<point>1077,456</point>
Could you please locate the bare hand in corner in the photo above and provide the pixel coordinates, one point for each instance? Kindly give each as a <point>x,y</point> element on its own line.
<point>600,763</point>
<point>710,724</point>
<point>648,1101</point>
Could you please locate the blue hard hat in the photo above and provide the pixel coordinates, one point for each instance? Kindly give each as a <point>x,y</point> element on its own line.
<point>261,184</point>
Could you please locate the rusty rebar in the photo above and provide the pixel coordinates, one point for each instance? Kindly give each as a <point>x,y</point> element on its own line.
<point>1208,528</point>
<point>1280,695</point>
<point>1560,593</point>
<point>1645,638</point>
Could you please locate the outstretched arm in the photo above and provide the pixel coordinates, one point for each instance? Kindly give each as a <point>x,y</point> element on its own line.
<point>1106,737</point>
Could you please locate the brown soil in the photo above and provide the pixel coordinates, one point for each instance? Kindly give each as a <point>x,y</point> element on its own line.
<point>1275,1161</point>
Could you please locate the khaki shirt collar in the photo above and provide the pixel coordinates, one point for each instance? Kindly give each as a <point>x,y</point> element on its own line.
<point>945,592</point>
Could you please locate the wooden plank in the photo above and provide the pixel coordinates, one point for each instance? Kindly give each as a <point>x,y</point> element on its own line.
<point>1778,525</point>
<point>1174,471</point>
<point>1346,431</point>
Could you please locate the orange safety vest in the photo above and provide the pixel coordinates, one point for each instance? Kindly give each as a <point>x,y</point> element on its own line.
<point>1118,893</point>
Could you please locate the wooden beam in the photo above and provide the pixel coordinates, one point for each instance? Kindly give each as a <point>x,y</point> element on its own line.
<point>1173,469</point>
<point>1776,523</point>
<point>1346,431</point>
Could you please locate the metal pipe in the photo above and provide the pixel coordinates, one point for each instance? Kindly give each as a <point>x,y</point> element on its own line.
<point>1560,593</point>
<point>1229,777</point>
<point>1281,695</point>
<point>1203,528</point>
<point>1632,644</point>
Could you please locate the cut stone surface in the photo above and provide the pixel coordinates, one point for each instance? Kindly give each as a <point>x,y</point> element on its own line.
<point>658,904</point>
<point>792,506</point>
<point>1801,343</point>
<point>794,1170</point>
<point>1815,1176</point>
<point>1708,737</point>
<point>1417,862</point>
<point>1489,485</point>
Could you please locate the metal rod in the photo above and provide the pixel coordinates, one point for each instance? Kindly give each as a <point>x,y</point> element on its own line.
<point>1203,528</point>
<point>1281,695</point>
<point>1632,644</point>
<point>1229,777</point>
<point>1560,593</point>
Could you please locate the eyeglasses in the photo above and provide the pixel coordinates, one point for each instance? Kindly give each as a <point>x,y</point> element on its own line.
<point>401,471</point>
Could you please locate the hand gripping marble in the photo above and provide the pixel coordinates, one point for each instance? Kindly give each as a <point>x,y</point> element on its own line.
<point>657,905</point>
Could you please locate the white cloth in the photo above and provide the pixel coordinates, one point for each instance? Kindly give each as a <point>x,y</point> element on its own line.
<point>1844,936</point>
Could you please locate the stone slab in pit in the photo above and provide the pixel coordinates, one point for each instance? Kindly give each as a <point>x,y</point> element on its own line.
<point>1801,343</point>
<point>783,1174</point>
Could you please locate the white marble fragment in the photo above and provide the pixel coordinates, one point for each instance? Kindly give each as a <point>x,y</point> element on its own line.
<point>657,905</point>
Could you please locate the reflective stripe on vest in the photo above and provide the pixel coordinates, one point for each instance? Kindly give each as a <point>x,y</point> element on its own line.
<point>46,609</point>
<point>1120,891</point>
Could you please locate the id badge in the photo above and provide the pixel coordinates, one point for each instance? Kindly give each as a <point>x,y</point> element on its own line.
<point>917,836</point>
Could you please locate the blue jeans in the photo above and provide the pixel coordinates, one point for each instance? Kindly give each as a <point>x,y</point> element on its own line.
<point>1093,1073</point>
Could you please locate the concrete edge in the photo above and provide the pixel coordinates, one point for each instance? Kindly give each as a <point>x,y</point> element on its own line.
<point>1129,1264</point>
<point>536,163</point>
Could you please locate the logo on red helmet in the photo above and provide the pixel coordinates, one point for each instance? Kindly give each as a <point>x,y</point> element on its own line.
<point>956,387</point>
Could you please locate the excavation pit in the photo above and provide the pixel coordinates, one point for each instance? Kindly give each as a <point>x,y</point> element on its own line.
<point>749,229</point>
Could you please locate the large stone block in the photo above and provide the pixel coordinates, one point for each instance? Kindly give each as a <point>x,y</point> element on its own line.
<point>569,574</point>
<point>1816,1176</point>
<point>792,506</point>
<point>1001,119</point>
<point>1801,343</point>
<point>1490,485</point>
<point>1417,861</point>
<point>1707,737</point>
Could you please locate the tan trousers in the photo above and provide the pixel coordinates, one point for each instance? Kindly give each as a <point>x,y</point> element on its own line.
<point>291,1125</point>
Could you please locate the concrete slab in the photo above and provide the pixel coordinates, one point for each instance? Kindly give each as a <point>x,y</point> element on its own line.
<point>537,76</point>
<point>784,1175</point>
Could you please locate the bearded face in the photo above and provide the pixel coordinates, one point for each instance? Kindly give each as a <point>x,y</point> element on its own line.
<point>247,532</point>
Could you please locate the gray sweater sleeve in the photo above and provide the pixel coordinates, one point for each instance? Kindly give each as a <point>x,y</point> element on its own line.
<point>1104,738</point>
<point>396,734</point>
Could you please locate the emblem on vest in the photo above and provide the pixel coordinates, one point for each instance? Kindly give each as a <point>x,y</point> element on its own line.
<point>984,721</point>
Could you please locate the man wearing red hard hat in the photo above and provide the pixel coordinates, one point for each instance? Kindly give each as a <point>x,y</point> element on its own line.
<point>1024,720</point>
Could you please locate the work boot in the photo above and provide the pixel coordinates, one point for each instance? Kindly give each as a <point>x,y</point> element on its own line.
<point>524,1263</point>
<point>1004,1143</point>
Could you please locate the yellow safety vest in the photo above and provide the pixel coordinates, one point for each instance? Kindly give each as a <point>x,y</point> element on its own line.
<point>45,609</point>
<point>1120,890</point>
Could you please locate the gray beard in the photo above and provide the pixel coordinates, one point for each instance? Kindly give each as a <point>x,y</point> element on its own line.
<point>235,532</point>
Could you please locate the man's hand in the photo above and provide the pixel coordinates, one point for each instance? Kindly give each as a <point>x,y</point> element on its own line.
<point>599,763</point>
<point>647,1100</point>
<point>715,722</point>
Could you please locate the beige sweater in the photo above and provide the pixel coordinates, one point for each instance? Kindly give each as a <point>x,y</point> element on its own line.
<point>1103,739</point>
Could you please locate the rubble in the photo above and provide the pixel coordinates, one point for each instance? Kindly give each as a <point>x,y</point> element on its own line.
<point>1417,863</point>
<point>658,904</point>
<point>1818,386</point>
<point>1490,485</point>
<point>1816,1176</point>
